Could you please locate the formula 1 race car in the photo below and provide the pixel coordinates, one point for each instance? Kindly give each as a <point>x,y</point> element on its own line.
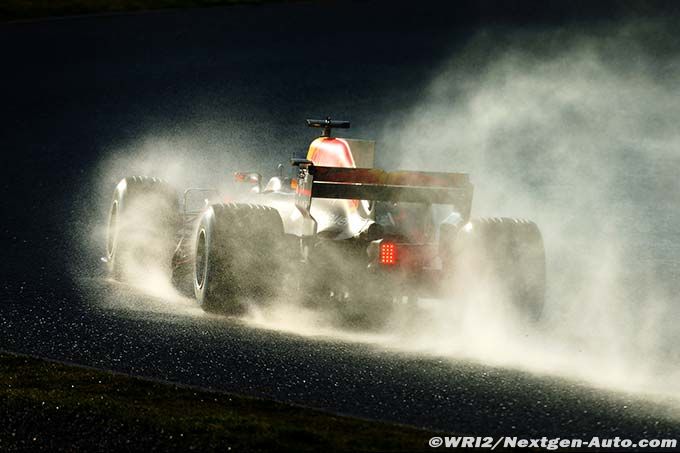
<point>336,232</point>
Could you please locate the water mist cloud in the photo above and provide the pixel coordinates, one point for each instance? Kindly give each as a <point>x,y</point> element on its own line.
<point>576,131</point>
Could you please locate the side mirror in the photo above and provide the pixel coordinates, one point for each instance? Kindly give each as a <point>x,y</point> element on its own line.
<point>252,178</point>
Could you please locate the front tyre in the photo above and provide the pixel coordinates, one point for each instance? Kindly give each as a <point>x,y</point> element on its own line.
<point>143,221</point>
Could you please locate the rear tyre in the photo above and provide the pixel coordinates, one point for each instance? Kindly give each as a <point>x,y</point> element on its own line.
<point>238,256</point>
<point>143,221</point>
<point>505,254</point>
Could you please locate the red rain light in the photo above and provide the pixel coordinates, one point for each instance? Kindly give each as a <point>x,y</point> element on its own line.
<point>388,253</point>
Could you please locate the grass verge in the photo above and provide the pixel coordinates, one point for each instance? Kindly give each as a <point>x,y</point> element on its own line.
<point>52,406</point>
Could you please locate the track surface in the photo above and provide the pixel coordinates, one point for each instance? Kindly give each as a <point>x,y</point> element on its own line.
<point>72,88</point>
<point>349,378</point>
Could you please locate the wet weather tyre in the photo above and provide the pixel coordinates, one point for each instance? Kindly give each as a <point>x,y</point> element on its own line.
<point>238,250</point>
<point>143,221</point>
<point>503,253</point>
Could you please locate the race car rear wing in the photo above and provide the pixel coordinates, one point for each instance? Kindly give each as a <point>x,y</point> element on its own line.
<point>374,184</point>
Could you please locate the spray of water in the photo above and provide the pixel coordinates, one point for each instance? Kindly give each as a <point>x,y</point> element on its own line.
<point>200,157</point>
<point>573,129</point>
<point>576,131</point>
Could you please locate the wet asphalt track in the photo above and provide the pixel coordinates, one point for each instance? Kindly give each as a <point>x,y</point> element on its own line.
<point>350,378</point>
<point>74,87</point>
